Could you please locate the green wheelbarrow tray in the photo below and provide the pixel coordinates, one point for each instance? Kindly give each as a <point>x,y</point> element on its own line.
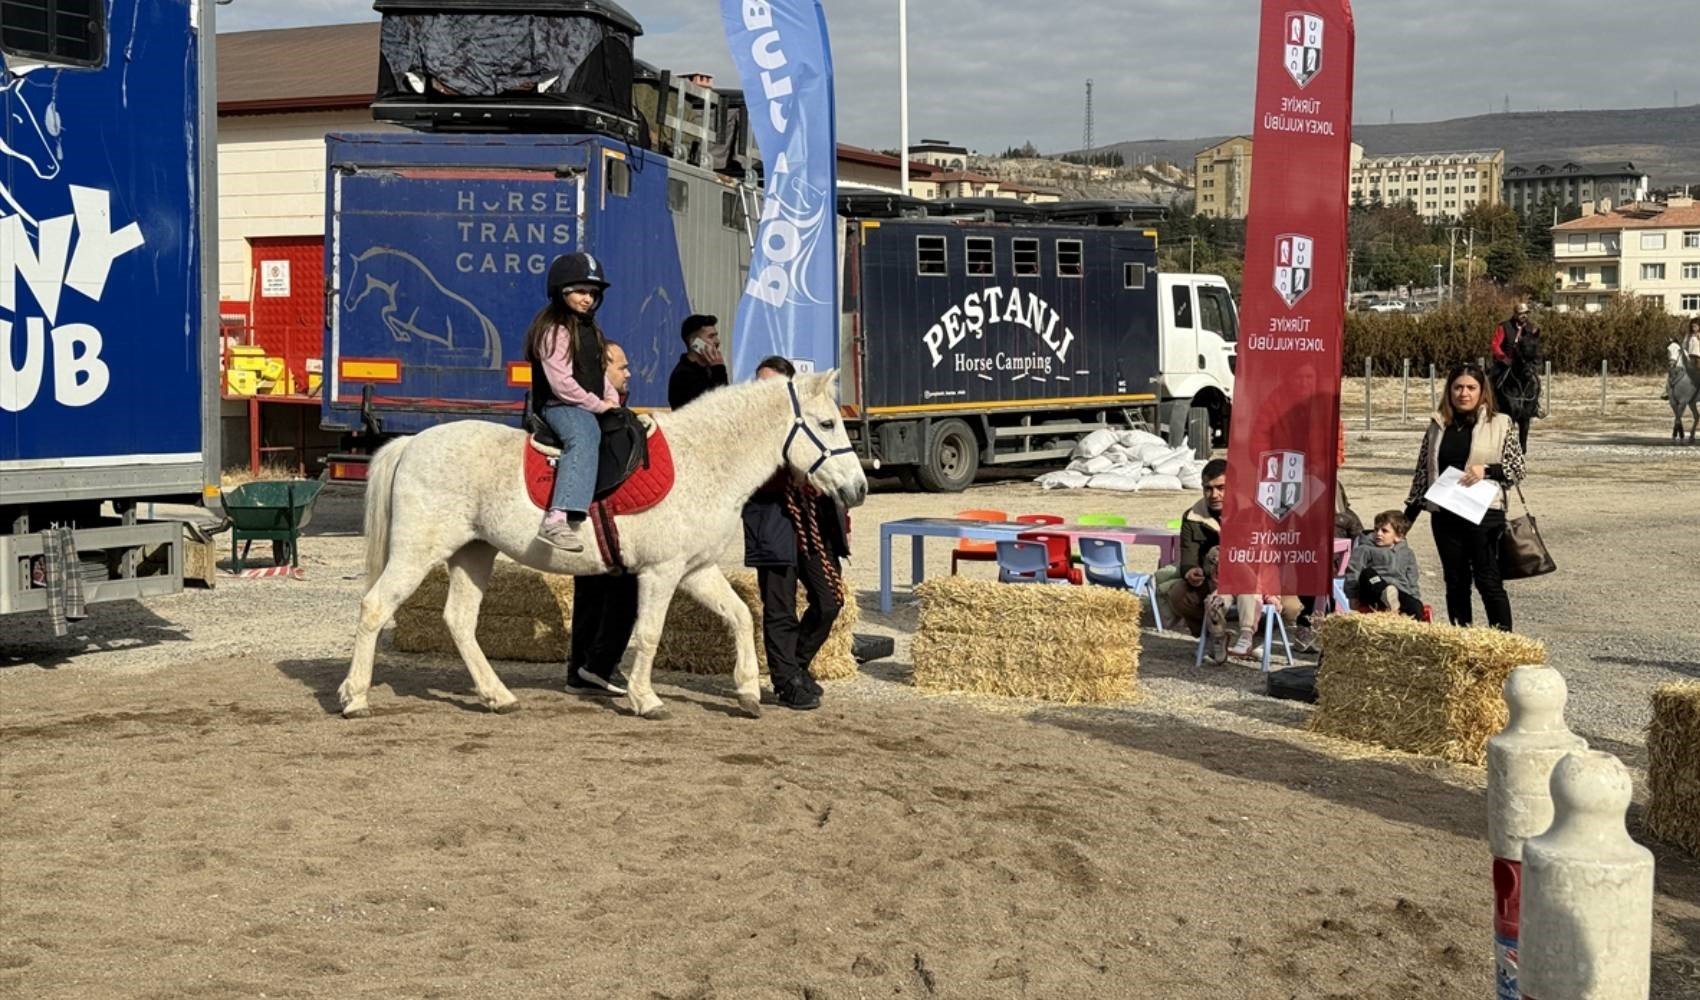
<point>270,510</point>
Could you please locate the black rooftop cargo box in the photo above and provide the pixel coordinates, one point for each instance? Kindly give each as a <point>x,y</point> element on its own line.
<point>507,65</point>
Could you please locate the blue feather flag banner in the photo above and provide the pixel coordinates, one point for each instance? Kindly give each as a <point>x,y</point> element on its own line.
<point>790,303</point>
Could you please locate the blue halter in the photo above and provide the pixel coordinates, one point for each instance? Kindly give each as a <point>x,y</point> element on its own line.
<point>799,424</point>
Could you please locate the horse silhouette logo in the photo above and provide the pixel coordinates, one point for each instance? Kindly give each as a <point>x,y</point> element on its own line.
<point>28,138</point>
<point>1293,267</point>
<point>1303,54</point>
<point>1281,482</point>
<point>414,305</point>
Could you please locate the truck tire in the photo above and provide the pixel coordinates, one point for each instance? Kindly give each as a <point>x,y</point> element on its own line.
<point>951,459</point>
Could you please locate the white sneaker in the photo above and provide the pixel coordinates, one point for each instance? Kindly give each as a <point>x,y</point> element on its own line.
<point>1242,645</point>
<point>561,535</point>
<point>1390,597</point>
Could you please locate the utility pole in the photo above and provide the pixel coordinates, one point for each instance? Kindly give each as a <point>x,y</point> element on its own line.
<point>1469,264</point>
<point>1351,258</point>
<point>1191,242</point>
<point>1451,262</point>
<point>1087,142</point>
<point>903,93</point>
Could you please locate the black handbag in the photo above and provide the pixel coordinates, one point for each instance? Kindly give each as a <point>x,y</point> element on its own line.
<point>1522,553</point>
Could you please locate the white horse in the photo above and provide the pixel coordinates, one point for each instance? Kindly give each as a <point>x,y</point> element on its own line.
<point>456,492</point>
<point>1684,392</point>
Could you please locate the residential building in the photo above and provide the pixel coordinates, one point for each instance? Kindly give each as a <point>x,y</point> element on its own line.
<point>1027,193</point>
<point>940,154</point>
<point>865,168</point>
<point>1650,250</point>
<point>1224,179</point>
<point>1574,184</point>
<point>1441,186</point>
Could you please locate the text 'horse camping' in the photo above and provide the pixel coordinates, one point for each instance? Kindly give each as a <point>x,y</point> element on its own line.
<point>456,492</point>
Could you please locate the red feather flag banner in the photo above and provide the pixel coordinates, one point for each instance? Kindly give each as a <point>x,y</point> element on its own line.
<point>1278,522</point>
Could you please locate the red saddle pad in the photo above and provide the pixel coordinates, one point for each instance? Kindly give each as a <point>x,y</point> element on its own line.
<point>645,488</point>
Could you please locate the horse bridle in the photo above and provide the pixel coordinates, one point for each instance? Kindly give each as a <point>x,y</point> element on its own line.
<point>800,424</point>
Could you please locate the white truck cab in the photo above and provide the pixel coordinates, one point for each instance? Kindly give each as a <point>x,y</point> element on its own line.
<point>1198,331</point>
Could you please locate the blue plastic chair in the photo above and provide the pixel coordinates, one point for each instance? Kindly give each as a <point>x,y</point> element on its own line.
<point>1271,622</point>
<point>1105,563</point>
<point>1025,562</point>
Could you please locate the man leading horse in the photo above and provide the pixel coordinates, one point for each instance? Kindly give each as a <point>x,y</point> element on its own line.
<point>1516,370</point>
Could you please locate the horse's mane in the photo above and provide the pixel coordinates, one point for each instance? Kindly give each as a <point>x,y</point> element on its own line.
<point>727,413</point>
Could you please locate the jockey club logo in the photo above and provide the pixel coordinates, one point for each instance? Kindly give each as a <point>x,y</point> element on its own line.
<point>1303,55</point>
<point>1293,272</point>
<point>1281,482</point>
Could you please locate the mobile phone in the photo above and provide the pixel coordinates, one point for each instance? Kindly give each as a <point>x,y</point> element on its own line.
<point>699,345</point>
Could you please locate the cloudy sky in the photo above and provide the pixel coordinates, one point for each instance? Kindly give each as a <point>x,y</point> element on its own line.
<point>994,73</point>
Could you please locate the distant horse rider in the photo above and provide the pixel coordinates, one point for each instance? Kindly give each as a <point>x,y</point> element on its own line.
<point>1516,378</point>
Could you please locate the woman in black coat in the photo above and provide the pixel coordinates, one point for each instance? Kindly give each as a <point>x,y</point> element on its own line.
<point>792,534</point>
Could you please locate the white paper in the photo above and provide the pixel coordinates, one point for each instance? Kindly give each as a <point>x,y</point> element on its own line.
<point>1469,502</point>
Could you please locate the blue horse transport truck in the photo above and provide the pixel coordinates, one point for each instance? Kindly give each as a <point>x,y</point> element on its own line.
<point>437,249</point>
<point>107,256</point>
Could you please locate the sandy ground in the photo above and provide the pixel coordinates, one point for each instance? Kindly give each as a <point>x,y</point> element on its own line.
<point>185,816</point>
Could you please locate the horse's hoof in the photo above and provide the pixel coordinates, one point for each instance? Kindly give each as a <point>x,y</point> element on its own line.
<point>360,712</point>
<point>506,708</point>
<point>750,705</point>
<point>657,714</point>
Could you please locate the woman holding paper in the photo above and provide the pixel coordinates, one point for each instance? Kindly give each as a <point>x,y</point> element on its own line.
<point>1469,439</point>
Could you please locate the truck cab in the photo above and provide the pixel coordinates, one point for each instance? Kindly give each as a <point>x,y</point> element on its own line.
<point>1198,334</point>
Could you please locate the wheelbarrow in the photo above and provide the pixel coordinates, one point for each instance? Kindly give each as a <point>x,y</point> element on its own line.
<point>272,510</point>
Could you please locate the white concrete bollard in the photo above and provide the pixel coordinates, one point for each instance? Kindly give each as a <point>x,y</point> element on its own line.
<point>1520,760</point>
<point>1587,902</point>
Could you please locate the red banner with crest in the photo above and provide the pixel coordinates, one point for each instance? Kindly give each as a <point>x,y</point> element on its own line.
<point>1278,522</point>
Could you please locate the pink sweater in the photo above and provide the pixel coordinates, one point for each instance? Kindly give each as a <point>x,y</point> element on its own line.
<point>558,368</point>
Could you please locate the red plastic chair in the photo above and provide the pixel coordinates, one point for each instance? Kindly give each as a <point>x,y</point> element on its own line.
<point>1039,519</point>
<point>1060,553</point>
<point>974,550</point>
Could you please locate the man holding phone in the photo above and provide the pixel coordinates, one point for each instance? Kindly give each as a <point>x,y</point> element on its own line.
<point>702,367</point>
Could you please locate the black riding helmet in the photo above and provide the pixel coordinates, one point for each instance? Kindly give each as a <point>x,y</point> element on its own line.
<point>577,268</point>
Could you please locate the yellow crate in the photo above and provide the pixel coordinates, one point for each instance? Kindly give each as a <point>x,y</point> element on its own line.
<point>241,383</point>
<point>248,363</point>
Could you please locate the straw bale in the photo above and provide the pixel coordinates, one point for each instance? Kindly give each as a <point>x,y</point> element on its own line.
<point>1428,689</point>
<point>526,615</point>
<point>698,642</point>
<point>1077,645</point>
<point>1673,766</point>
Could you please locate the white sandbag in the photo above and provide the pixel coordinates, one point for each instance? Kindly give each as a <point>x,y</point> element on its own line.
<point>1063,480</point>
<point>1095,443</point>
<point>1172,467</point>
<point>1135,440</point>
<point>1122,481</point>
<point>1093,466</point>
<point>1193,477</point>
<point>1153,483</point>
<point>1152,453</point>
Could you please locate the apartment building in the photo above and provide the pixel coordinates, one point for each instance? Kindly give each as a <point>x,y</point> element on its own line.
<point>1441,186</point>
<point>1526,184</point>
<point>1223,179</point>
<point>1650,250</point>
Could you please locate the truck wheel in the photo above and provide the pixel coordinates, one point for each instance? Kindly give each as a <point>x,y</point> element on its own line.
<point>951,459</point>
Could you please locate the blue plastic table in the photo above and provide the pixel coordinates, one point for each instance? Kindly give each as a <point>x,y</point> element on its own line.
<point>919,529</point>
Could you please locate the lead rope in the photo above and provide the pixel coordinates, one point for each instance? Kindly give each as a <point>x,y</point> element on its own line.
<point>808,533</point>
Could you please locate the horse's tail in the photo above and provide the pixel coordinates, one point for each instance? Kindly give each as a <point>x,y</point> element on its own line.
<point>380,478</point>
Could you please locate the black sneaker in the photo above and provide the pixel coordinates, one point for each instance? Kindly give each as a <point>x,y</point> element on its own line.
<point>583,680</point>
<point>808,683</point>
<point>799,697</point>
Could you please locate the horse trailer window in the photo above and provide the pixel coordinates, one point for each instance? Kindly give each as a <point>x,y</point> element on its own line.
<point>930,256</point>
<point>1026,254</point>
<point>678,195</point>
<point>72,32</point>
<point>981,262</point>
<point>619,176</point>
<point>1133,275</point>
<point>1069,257</point>
<point>731,210</point>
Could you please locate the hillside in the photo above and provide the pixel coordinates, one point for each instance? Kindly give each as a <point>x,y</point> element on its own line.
<point>1665,142</point>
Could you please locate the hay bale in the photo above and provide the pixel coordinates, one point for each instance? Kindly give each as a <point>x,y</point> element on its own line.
<point>1077,645</point>
<point>1427,689</point>
<point>696,642</point>
<point>527,615</point>
<point>1673,766</point>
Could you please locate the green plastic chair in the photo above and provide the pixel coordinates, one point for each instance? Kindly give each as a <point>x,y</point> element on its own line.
<point>1174,524</point>
<point>1102,521</point>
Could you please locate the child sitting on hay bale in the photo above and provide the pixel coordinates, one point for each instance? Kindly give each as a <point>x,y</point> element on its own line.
<point>1382,574</point>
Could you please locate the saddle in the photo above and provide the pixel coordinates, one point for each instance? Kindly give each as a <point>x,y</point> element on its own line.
<point>634,472</point>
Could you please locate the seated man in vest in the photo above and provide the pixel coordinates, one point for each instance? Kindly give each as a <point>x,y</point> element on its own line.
<point>604,607</point>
